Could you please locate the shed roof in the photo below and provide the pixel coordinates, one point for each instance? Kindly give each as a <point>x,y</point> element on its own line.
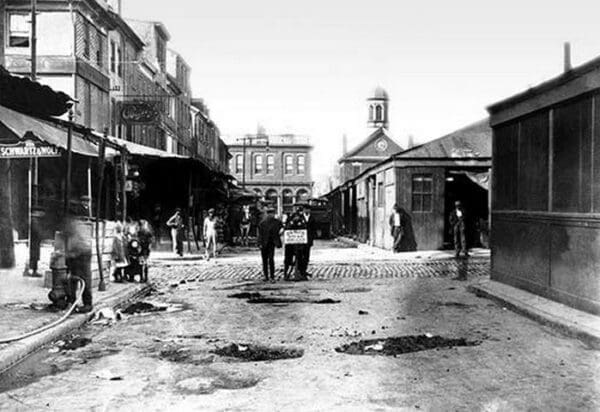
<point>472,141</point>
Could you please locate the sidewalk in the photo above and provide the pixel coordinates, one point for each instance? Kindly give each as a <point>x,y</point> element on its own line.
<point>23,308</point>
<point>569,321</point>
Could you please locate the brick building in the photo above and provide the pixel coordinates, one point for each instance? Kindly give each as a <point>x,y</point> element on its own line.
<point>206,137</point>
<point>275,167</point>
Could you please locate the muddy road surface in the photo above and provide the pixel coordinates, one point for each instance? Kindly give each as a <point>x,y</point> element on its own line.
<point>326,344</point>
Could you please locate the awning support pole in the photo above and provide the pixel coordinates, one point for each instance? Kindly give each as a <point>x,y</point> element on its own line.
<point>69,165</point>
<point>99,250</point>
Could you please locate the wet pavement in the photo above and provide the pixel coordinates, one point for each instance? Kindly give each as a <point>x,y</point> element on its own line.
<point>425,344</point>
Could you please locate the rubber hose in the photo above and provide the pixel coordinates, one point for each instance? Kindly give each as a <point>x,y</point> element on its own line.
<point>78,294</point>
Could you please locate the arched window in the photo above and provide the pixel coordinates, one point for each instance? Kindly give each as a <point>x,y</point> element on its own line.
<point>302,195</point>
<point>239,163</point>
<point>289,164</point>
<point>258,193</point>
<point>258,163</point>
<point>271,197</point>
<point>287,199</point>
<point>371,113</point>
<point>378,113</point>
<point>300,164</point>
<point>270,164</point>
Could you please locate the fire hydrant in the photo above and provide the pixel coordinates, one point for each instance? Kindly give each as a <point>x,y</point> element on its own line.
<point>62,292</point>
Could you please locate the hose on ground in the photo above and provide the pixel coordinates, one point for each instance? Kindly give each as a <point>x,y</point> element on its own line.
<point>78,294</point>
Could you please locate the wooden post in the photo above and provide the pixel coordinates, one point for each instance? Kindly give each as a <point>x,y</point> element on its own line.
<point>7,247</point>
<point>99,250</point>
<point>69,165</point>
<point>34,40</point>
<point>123,182</point>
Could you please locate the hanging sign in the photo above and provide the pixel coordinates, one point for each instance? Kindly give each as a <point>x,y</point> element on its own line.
<point>140,112</point>
<point>27,149</point>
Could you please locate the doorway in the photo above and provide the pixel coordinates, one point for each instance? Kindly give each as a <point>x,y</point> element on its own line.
<point>462,185</point>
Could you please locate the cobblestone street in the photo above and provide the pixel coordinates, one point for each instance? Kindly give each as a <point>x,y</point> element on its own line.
<point>367,270</point>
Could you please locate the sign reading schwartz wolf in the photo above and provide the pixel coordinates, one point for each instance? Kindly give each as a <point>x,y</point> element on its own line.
<point>26,149</point>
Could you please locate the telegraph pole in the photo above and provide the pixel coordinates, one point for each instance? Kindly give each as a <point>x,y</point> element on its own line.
<point>33,40</point>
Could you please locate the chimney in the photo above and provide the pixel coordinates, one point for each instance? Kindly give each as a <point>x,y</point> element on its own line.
<point>567,57</point>
<point>411,141</point>
<point>344,144</point>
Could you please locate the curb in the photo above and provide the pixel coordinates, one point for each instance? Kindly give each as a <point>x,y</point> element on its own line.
<point>552,314</point>
<point>17,351</point>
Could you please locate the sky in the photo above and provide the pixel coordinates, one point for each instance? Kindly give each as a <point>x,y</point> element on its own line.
<point>307,67</point>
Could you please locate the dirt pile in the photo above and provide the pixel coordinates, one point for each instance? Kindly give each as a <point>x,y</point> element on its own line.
<point>399,345</point>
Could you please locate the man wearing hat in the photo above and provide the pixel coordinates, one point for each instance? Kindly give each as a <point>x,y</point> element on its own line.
<point>268,240</point>
<point>210,234</point>
<point>304,210</point>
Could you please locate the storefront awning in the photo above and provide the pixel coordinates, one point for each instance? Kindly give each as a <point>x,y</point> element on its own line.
<point>141,150</point>
<point>23,126</point>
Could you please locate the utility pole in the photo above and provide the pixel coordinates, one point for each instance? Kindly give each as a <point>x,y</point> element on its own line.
<point>33,40</point>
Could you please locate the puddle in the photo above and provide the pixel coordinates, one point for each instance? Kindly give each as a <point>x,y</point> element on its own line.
<point>403,344</point>
<point>326,301</point>
<point>256,298</point>
<point>255,353</point>
<point>245,295</point>
<point>74,343</point>
<point>456,305</point>
<point>142,307</point>
<point>356,290</point>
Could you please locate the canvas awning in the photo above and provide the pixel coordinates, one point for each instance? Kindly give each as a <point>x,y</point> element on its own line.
<point>22,126</point>
<point>140,150</point>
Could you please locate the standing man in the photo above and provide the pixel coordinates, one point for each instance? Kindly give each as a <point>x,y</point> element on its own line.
<point>176,225</point>
<point>210,234</point>
<point>458,226</point>
<point>35,243</point>
<point>311,231</point>
<point>245,223</point>
<point>268,240</point>
<point>396,227</point>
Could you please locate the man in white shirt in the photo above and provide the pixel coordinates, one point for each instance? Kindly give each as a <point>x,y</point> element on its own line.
<point>396,227</point>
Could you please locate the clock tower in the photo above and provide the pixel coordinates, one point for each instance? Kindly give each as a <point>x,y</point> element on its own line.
<point>378,109</point>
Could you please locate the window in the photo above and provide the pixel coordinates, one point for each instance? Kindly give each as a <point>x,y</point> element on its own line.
<point>99,52</point>
<point>378,113</point>
<point>371,117</point>
<point>86,39</point>
<point>379,198</point>
<point>288,199</point>
<point>302,195</point>
<point>271,197</point>
<point>113,57</point>
<point>300,164</point>
<point>19,30</point>
<point>258,163</point>
<point>119,62</point>
<point>239,163</point>
<point>422,193</point>
<point>289,165</point>
<point>270,164</point>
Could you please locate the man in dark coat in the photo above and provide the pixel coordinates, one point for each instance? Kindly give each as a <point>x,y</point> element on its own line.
<point>458,226</point>
<point>311,229</point>
<point>268,240</point>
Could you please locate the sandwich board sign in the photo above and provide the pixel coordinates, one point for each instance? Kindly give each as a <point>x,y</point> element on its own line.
<point>27,149</point>
<point>295,237</point>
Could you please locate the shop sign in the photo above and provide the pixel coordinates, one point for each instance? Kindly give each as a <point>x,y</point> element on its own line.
<point>27,149</point>
<point>140,112</point>
<point>295,237</point>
